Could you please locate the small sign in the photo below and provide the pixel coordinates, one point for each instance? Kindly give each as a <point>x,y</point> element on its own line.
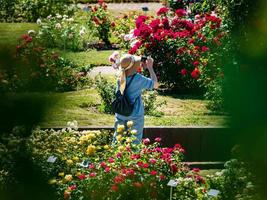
<point>145,9</point>
<point>172,183</point>
<point>51,159</point>
<point>84,163</point>
<point>213,192</point>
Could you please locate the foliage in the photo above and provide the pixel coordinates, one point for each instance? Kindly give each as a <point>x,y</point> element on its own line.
<point>62,32</point>
<point>99,19</point>
<point>123,25</point>
<point>31,10</point>
<point>107,92</point>
<point>45,70</point>
<point>236,181</point>
<point>119,171</point>
<point>107,89</point>
<point>180,46</point>
<point>7,10</point>
<point>151,104</point>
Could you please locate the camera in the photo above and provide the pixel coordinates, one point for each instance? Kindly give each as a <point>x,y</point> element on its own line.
<point>143,58</point>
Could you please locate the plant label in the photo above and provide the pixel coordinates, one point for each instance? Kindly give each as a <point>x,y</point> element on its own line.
<point>84,163</point>
<point>172,183</point>
<point>145,9</point>
<point>51,159</point>
<point>213,192</point>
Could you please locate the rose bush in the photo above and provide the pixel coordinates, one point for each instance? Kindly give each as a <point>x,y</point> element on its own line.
<point>181,47</point>
<point>100,19</point>
<point>84,165</point>
<point>46,70</point>
<point>122,26</point>
<point>120,171</point>
<point>61,31</point>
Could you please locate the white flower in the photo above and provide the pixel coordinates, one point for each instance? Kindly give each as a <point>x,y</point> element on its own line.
<point>70,20</point>
<point>31,32</point>
<point>81,33</point>
<point>58,26</point>
<point>128,37</point>
<point>58,16</point>
<point>70,36</point>
<point>39,21</point>
<point>49,16</point>
<point>133,43</point>
<point>65,16</point>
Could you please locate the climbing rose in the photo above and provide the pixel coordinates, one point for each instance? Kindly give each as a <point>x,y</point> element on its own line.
<point>180,12</point>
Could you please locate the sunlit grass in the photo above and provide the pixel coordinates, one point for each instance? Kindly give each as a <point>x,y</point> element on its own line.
<point>177,112</point>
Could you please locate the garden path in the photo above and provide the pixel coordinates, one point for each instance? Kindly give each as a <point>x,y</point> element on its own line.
<point>104,70</point>
<point>126,7</point>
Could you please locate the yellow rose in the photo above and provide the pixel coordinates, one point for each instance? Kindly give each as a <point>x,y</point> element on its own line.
<point>68,177</point>
<point>52,181</point>
<point>75,158</point>
<point>90,150</point>
<point>78,174</point>
<point>120,128</point>
<point>106,147</point>
<point>128,140</point>
<point>72,140</point>
<point>119,137</point>
<point>61,174</point>
<point>129,124</point>
<point>91,136</point>
<point>121,148</point>
<point>134,132</point>
<point>69,162</point>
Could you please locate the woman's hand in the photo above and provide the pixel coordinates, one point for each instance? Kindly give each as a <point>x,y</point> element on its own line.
<point>149,63</point>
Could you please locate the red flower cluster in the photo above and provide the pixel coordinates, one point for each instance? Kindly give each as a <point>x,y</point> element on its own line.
<point>163,11</point>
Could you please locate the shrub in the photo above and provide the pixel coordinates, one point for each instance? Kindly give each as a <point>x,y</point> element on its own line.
<point>123,25</point>
<point>107,90</point>
<point>62,32</point>
<point>32,9</point>
<point>236,181</point>
<point>45,70</point>
<point>99,19</point>
<point>121,171</point>
<point>151,104</point>
<point>180,46</point>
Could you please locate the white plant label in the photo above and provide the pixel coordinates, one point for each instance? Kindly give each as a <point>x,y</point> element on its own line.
<point>213,192</point>
<point>51,159</point>
<point>172,183</point>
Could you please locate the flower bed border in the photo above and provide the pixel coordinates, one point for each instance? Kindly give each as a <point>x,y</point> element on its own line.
<point>206,146</point>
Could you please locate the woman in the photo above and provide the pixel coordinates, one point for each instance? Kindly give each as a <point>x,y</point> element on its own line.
<point>129,65</point>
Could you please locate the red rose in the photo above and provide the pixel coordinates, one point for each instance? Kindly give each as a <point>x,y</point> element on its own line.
<point>93,174</point>
<point>195,73</point>
<point>145,165</point>
<point>114,188</point>
<point>204,49</point>
<point>184,72</point>
<point>82,177</point>
<point>162,11</point>
<point>196,63</point>
<point>153,173</point>
<point>180,12</point>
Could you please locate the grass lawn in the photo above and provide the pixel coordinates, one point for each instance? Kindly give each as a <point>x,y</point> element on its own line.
<point>74,106</point>
<point>93,57</point>
<point>10,32</point>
